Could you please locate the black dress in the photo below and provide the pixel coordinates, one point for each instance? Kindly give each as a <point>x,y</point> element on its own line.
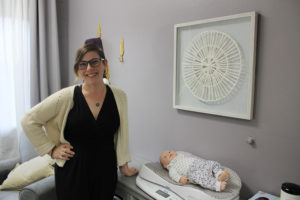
<point>92,173</point>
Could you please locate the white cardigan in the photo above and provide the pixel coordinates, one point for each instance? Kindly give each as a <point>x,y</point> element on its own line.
<point>44,124</point>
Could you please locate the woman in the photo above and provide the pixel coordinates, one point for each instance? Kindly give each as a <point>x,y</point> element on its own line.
<point>85,128</point>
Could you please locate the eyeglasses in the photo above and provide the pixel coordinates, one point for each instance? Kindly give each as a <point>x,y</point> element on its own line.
<point>95,62</point>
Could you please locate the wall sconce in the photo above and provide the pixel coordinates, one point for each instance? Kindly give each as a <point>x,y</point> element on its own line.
<point>99,31</point>
<point>121,50</point>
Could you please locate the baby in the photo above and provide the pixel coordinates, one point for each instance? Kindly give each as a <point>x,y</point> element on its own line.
<point>185,167</point>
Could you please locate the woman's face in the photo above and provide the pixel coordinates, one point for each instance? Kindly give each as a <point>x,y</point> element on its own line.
<point>91,68</point>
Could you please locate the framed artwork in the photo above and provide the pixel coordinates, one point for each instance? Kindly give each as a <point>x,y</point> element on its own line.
<point>214,65</point>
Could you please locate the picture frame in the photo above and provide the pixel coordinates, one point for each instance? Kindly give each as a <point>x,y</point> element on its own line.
<point>214,65</point>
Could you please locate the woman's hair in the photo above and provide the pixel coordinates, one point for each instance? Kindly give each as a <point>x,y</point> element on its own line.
<point>83,50</point>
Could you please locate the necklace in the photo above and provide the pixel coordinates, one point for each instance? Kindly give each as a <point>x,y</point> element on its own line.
<point>97,103</point>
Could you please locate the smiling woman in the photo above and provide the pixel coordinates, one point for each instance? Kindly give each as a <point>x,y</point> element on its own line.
<point>87,131</point>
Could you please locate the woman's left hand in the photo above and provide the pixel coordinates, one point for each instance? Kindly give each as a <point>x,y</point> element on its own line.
<point>128,171</point>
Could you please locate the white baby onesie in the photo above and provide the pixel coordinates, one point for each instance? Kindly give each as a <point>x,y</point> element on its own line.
<point>197,170</point>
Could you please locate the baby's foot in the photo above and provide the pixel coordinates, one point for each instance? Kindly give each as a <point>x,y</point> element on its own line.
<point>224,175</point>
<point>223,186</point>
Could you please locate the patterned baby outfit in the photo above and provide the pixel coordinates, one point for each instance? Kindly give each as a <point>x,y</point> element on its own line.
<point>197,170</point>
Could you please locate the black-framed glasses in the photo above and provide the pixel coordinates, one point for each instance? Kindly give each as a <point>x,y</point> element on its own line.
<point>95,62</point>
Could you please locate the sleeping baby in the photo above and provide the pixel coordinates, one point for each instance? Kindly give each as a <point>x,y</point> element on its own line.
<point>184,167</point>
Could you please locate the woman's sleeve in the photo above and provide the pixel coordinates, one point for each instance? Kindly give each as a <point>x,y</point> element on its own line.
<point>34,121</point>
<point>122,136</point>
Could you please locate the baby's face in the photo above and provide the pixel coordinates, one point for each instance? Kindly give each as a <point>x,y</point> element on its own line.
<point>166,157</point>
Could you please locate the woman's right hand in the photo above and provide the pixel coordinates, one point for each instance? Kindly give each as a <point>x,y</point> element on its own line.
<point>63,152</point>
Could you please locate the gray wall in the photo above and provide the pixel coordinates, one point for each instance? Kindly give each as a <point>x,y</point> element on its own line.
<point>146,76</point>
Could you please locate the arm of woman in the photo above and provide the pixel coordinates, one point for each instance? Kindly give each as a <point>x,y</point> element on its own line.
<point>122,136</point>
<point>34,123</point>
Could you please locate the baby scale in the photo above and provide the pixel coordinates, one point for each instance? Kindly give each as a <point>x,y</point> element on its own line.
<point>155,181</point>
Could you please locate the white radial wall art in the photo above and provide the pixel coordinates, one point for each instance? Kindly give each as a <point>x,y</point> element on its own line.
<point>212,66</point>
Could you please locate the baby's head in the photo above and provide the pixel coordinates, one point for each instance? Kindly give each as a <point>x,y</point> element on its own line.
<point>166,157</point>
